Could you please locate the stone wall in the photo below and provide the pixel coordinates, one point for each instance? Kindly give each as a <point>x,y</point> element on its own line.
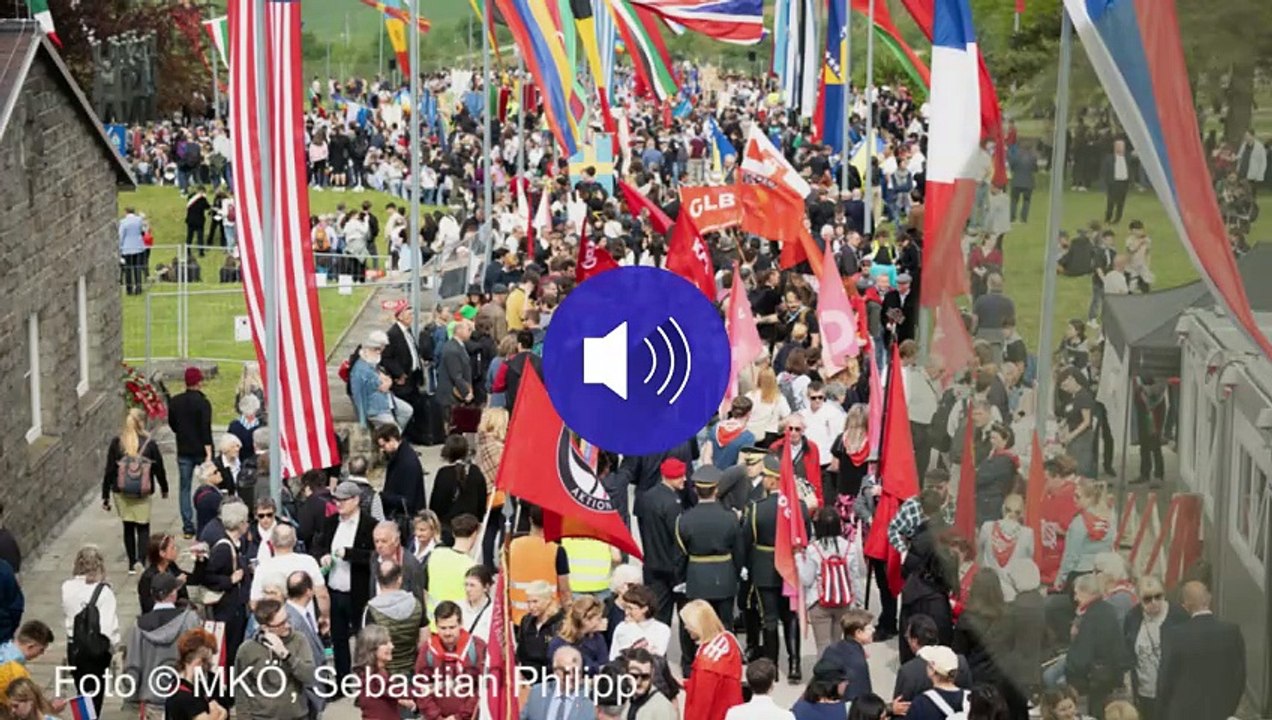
<point>57,223</point>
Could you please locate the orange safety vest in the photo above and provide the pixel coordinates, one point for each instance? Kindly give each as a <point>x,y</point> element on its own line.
<point>530,559</point>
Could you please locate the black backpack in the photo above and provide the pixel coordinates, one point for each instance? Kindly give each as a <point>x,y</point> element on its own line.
<point>89,648</point>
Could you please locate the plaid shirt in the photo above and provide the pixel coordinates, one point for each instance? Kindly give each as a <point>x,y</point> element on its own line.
<point>908,519</point>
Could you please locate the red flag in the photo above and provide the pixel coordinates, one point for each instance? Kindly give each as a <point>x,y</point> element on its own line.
<point>688,257</point>
<point>965,510</point>
<point>772,195</point>
<point>636,202</point>
<point>745,345</point>
<point>499,702</point>
<point>1033,495</point>
<point>792,534</point>
<point>899,472</point>
<point>544,464</point>
<point>592,260</point>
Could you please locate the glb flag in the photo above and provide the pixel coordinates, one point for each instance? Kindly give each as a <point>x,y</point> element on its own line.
<point>836,320</point>
<point>218,29</point>
<point>40,11</point>
<point>82,708</point>
<point>543,463</point>
<point>688,256</point>
<point>712,207</point>
<point>900,476</point>
<point>954,143</point>
<point>637,203</point>
<point>745,345</point>
<point>593,259</point>
<point>1138,55</point>
<point>303,409</point>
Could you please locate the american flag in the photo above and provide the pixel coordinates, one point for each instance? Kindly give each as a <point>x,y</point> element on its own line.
<point>303,409</point>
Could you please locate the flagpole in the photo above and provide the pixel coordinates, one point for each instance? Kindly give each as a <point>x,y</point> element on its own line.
<point>521,120</point>
<point>1059,150</point>
<point>381,65</point>
<point>868,180</point>
<point>845,159</point>
<point>487,185</point>
<point>414,226</point>
<point>216,86</point>
<point>273,383</point>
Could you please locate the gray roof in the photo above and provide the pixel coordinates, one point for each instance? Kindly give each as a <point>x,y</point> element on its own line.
<point>21,42</point>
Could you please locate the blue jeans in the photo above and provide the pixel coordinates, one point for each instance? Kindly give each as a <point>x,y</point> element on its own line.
<point>185,466</point>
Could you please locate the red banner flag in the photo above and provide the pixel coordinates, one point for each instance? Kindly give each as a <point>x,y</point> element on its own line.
<point>499,700</point>
<point>1034,490</point>
<point>792,534</point>
<point>712,207</point>
<point>593,260</point>
<point>543,463</point>
<point>636,202</point>
<point>899,472</point>
<point>688,257</point>
<point>965,510</point>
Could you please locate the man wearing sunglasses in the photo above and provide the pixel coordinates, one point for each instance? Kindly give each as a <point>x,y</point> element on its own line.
<point>646,702</point>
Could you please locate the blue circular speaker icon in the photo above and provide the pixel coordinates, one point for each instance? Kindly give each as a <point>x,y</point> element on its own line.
<point>636,360</point>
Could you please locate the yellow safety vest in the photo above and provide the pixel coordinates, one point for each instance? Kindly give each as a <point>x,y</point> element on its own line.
<point>446,569</point>
<point>590,563</point>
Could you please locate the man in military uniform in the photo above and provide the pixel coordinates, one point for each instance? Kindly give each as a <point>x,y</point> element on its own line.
<point>759,530</point>
<point>739,485</point>
<point>711,538</point>
<point>657,510</point>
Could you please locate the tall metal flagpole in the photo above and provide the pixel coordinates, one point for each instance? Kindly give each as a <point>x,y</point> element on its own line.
<point>868,180</point>
<point>521,120</point>
<point>381,65</point>
<point>273,384</point>
<point>846,70</point>
<point>1059,150</point>
<point>487,186</point>
<point>216,85</point>
<point>413,226</point>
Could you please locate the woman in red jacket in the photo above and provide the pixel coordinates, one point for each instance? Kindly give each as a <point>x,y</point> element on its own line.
<point>715,681</point>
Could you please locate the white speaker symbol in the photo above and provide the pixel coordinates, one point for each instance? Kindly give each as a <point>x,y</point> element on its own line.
<point>605,360</point>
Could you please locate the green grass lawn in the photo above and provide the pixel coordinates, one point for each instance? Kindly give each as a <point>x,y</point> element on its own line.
<point>213,305</point>
<point>1024,253</point>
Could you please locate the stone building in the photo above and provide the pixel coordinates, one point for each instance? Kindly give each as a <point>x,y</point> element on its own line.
<point>60,309</point>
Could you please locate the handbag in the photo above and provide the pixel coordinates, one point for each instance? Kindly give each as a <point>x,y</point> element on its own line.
<point>207,596</point>
<point>465,418</point>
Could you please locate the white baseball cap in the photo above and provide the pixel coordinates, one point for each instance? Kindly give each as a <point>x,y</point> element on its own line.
<point>942,659</point>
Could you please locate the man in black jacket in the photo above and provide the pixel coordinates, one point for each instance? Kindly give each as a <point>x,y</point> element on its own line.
<point>1203,672</point>
<point>345,547</point>
<point>912,678</point>
<point>517,366</point>
<point>403,490</point>
<point>455,371</point>
<point>1097,659</point>
<point>658,510</point>
<point>190,417</point>
<point>402,360</point>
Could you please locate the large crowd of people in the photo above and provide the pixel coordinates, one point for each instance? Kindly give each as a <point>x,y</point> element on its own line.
<point>371,581</point>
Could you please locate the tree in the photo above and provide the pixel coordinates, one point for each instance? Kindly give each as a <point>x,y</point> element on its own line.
<point>180,73</point>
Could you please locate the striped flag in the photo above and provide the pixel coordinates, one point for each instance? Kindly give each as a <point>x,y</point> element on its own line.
<point>740,22</point>
<point>954,142</point>
<point>803,59</point>
<point>606,40</point>
<point>639,31</point>
<point>218,28</point>
<point>40,11</point>
<point>781,36</point>
<point>886,32</point>
<point>303,408</point>
<point>82,708</point>
<point>828,120</point>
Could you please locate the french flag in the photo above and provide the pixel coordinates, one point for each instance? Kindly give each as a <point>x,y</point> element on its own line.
<point>1135,48</point>
<point>953,142</point>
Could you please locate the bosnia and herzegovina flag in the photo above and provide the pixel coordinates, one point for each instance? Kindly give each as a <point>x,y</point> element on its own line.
<point>549,65</point>
<point>1136,50</point>
<point>829,116</point>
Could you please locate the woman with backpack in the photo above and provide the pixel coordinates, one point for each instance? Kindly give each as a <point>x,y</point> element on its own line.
<point>832,570</point>
<point>92,623</point>
<point>134,465</point>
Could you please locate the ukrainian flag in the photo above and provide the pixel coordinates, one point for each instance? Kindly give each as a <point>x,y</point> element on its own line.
<point>720,145</point>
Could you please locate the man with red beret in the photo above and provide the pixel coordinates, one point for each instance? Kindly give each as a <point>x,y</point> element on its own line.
<point>658,509</point>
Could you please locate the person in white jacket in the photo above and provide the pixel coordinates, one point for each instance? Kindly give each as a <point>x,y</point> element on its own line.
<point>1004,540</point>
<point>832,560</point>
<point>89,572</point>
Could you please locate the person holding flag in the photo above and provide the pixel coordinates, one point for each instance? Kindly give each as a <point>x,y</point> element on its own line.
<point>765,532</point>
